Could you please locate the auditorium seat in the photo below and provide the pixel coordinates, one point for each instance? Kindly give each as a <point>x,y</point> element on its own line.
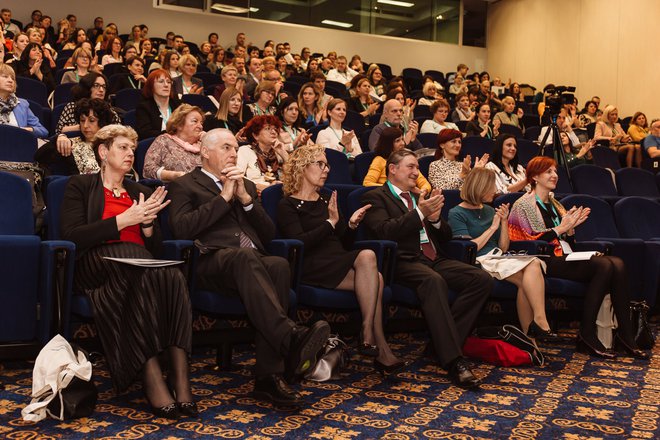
<point>17,145</point>
<point>32,89</point>
<point>127,99</point>
<point>595,181</point>
<point>636,182</point>
<point>339,167</point>
<point>361,166</point>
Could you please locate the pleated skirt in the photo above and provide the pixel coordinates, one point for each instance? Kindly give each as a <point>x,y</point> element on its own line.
<point>138,312</point>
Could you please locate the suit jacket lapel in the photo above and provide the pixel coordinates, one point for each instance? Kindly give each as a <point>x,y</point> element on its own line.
<point>399,203</point>
<point>205,181</point>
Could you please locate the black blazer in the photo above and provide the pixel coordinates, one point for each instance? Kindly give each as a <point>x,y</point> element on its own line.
<point>148,118</point>
<point>177,83</point>
<point>197,212</point>
<point>82,210</point>
<point>389,219</point>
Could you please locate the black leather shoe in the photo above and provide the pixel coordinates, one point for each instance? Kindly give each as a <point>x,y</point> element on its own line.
<point>586,348</point>
<point>536,332</point>
<point>274,388</point>
<point>461,375</point>
<point>188,409</point>
<point>366,349</point>
<point>395,368</point>
<point>620,344</point>
<point>304,346</point>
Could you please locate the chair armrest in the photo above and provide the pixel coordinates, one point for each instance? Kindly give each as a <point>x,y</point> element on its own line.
<point>151,183</point>
<point>55,288</point>
<point>462,250</point>
<point>183,250</point>
<point>533,247</point>
<point>293,251</point>
<point>603,246</point>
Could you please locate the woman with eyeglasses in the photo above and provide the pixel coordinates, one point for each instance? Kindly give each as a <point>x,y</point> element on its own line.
<point>264,96</point>
<point>113,51</point>
<point>537,215</point>
<point>92,86</point>
<point>306,214</point>
<point>488,229</point>
<point>81,59</point>
<point>156,105</point>
<point>262,160</point>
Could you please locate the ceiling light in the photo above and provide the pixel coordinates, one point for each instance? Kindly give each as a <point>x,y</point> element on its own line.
<point>229,9</point>
<point>253,9</point>
<point>337,23</point>
<point>438,17</point>
<point>396,3</point>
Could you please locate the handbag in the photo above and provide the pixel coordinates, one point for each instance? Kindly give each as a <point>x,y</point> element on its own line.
<point>515,339</point>
<point>331,361</point>
<point>61,383</point>
<point>642,333</point>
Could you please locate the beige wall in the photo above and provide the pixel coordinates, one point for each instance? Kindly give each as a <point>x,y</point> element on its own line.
<point>603,47</point>
<point>399,53</point>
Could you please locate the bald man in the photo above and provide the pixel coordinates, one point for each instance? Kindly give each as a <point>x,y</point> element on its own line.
<point>393,117</point>
<point>219,209</point>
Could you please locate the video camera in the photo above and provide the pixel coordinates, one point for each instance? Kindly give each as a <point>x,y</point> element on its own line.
<point>557,97</point>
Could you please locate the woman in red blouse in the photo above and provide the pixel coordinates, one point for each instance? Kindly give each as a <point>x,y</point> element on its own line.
<point>139,312</point>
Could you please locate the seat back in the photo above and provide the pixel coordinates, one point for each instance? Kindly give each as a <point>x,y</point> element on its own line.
<point>270,198</point>
<point>424,165</point>
<point>55,117</point>
<point>32,89</point>
<point>127,99</point>
<point>112,69</point>
<point>411,72</point>
<point>339,167</point>
<point>353,203</point>
<point>354,121</point>
<point>600,223</point>
<point>16,144</point>
<point>62,94</point>
<point>141,153</point>
<point>606,158</point>
<point>54,198</point>
<point>563,183</point>
<point>636,182</point>
<point>16,202</point>
<point>130,119</point>
<point>361,165</point>
<point>343,191</point>
<point>511,129</point>
<point>593,180</point>
<point>428,140</point>
<point>637,217</point>
<point>386,70</point>
<point>452,198</point>
<point>532,133</point>
<point>200,101</point>
<point>476,146</point>
<point>526,151</point>
<point>509,198</point>
<point>208,78</point>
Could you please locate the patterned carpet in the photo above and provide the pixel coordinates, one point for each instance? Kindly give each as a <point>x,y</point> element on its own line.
<point>574,397</point>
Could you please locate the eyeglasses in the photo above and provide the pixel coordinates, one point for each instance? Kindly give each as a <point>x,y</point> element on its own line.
<point>270,128</point>
<point>99,86</point>
<point>514,253</point>
<point>164,81</point>
<point>322,165</point>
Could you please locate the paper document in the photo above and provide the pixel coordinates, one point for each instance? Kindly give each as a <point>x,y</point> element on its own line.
<point>145,262</point>
<point>581,256</point>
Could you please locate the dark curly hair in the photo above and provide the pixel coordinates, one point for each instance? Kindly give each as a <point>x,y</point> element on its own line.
<point>98,107</point>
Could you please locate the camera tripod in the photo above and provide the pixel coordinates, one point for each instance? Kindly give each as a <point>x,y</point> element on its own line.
<point>556,150</point>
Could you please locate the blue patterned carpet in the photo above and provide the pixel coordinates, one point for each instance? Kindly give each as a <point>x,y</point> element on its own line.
<point>574,397</point>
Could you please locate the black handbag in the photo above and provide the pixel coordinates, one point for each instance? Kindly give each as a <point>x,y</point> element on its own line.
<point>78,399</point>
<point>514,336</point>
<point>642,333</point>
<point>332,359</point>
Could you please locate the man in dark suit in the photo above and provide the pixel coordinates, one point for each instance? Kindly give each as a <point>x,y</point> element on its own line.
<point>415,224</point>
<point>253,76</point>
<point>219,209</point>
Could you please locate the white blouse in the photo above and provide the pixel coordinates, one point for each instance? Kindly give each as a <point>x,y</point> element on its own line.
<point>330,138</point>
<point>503,180</point>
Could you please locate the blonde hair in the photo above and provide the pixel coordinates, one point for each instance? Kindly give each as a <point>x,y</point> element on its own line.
<point>81,51</point>
<point>6,69</point>
<point>477,184</point>
<point>294,168</point>
<point>223,104</point>
<point>107,135</point>
<point>508,100</point>
<point>427,87</point>
<point>183,59</point>
<point>179,116</point>
<point>606,114</point>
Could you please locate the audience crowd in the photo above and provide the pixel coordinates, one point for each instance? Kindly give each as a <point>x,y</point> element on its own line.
<point>224,123</point>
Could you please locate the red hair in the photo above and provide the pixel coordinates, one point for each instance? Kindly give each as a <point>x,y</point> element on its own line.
<point>537,166</point>
<point>256,124</point>
<point>148,89</point>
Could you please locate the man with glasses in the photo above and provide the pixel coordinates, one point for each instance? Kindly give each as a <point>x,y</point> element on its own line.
<point>415,224</point>
<point>219,209</point>
<point>393,115</point>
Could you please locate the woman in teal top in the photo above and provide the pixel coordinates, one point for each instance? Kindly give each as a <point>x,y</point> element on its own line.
<point>488,228</point>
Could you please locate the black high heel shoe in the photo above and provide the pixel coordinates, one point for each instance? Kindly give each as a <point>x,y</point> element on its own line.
<point>619,343</point>
<point>584,347</point>
<point>170,411</point>
<point>187,409</point>
<point>395,368</point>
<point>366,349</point>
<point>536,332</point>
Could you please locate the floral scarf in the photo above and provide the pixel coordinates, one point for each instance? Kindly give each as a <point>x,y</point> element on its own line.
<point>526,221</point>
<point>6,107</point>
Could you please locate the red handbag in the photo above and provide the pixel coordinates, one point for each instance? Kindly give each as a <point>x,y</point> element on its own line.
<point>496,352</point>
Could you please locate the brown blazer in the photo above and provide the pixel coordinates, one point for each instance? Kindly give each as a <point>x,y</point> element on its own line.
<point>389,219</point>
<point>198,213</point>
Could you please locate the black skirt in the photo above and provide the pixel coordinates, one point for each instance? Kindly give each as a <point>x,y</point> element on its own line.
<point>138,311</point>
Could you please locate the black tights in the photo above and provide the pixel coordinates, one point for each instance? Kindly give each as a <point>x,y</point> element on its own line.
<point>604,275</point>
<point>154,386</point>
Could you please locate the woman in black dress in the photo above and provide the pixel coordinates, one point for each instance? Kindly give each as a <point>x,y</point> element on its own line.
<point>139,312</point>
<point>306,215</point>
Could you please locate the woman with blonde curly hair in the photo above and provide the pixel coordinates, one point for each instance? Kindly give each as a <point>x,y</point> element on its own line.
<point>307,215</point>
